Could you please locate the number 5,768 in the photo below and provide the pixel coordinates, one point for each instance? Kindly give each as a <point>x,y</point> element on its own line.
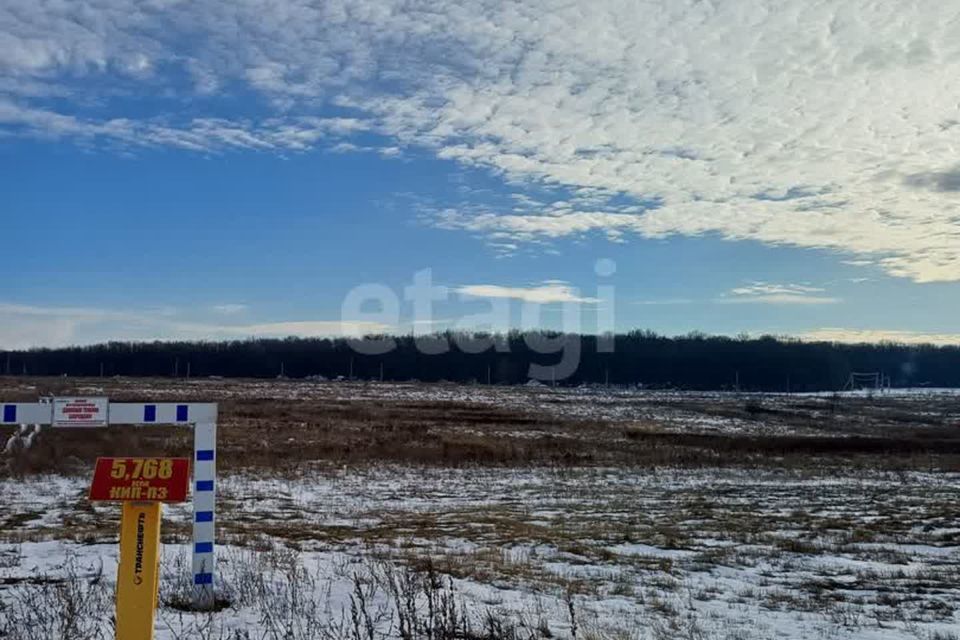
<point>141,469</point>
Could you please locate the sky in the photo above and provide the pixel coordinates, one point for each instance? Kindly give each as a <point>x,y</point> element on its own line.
<point>219,170</point>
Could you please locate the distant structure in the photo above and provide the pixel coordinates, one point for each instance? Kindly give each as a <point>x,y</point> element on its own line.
<point>871,381</point>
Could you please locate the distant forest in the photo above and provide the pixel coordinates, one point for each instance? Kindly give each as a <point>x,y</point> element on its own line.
<point>694,361</point>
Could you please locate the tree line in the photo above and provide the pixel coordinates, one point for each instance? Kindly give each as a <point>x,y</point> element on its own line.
<point>694,361</point>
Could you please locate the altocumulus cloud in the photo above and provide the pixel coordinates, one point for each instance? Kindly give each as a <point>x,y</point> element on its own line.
<point>822,125</point>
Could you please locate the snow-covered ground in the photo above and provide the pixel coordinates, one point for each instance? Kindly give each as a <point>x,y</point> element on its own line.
<point>744,550</point>
<point>644,553</point>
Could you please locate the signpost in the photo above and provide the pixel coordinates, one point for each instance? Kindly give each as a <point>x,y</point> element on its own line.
<point>99,412</point>
<point>142,484</point>
<point>152,479</point>
<point>138,574</point>
<point>80,412</point>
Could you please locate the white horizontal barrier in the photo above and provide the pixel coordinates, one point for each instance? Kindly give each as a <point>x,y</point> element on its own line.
<point>202,417</point>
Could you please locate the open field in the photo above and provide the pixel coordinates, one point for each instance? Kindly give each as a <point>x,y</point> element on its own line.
<point>530,512</point>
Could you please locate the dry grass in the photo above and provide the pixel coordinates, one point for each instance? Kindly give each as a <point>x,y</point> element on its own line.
<point>287,435</point>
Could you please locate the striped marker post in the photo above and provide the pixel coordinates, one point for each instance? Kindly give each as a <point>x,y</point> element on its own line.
<point>204,511</point>
<point>202,417</point>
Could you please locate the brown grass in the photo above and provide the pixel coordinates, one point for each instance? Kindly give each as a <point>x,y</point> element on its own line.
<point>293,435</point>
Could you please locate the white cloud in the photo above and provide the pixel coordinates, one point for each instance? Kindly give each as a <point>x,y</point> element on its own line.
<point>549,292</point>
<point>199,134</point>
<point>24,327</point>
<point>760,293</point>
<point>779,298</point>
<point>768,293</point>
<point>766,288</point>
<point>828,125</point>
<point>880,335</point>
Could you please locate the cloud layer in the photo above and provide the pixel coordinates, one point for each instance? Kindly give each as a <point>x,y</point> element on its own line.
<point>767,293</point>
<point>547,293</point>
<point>829,125</point>
<point>26,326</point>
<point>857,336</point>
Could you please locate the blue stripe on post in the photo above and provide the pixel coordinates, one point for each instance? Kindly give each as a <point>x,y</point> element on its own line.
<point>203,547</point>
<point>205,454</point>
<point>9,413</point>
<point>204,516</point>
<point>204,485</point>
<point>149,413</point>
<point>182,412</point>
<point>203,578</point>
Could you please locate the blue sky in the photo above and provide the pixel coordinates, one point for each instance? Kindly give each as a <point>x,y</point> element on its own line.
<point>174,171</point>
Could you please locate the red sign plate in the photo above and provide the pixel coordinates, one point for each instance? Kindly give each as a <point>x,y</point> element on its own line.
<point>141,479</point>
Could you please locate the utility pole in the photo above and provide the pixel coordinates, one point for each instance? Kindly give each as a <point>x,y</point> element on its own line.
<point>606,377</point>
<point>381,371</point>
<point>351,369</point>
<point>488,375</point>
<point>737,383</point>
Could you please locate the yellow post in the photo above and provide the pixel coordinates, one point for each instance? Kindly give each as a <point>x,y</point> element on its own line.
<point>138,575</point>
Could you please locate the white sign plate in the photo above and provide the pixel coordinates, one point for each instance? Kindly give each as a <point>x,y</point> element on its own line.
<point>80,412</point>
